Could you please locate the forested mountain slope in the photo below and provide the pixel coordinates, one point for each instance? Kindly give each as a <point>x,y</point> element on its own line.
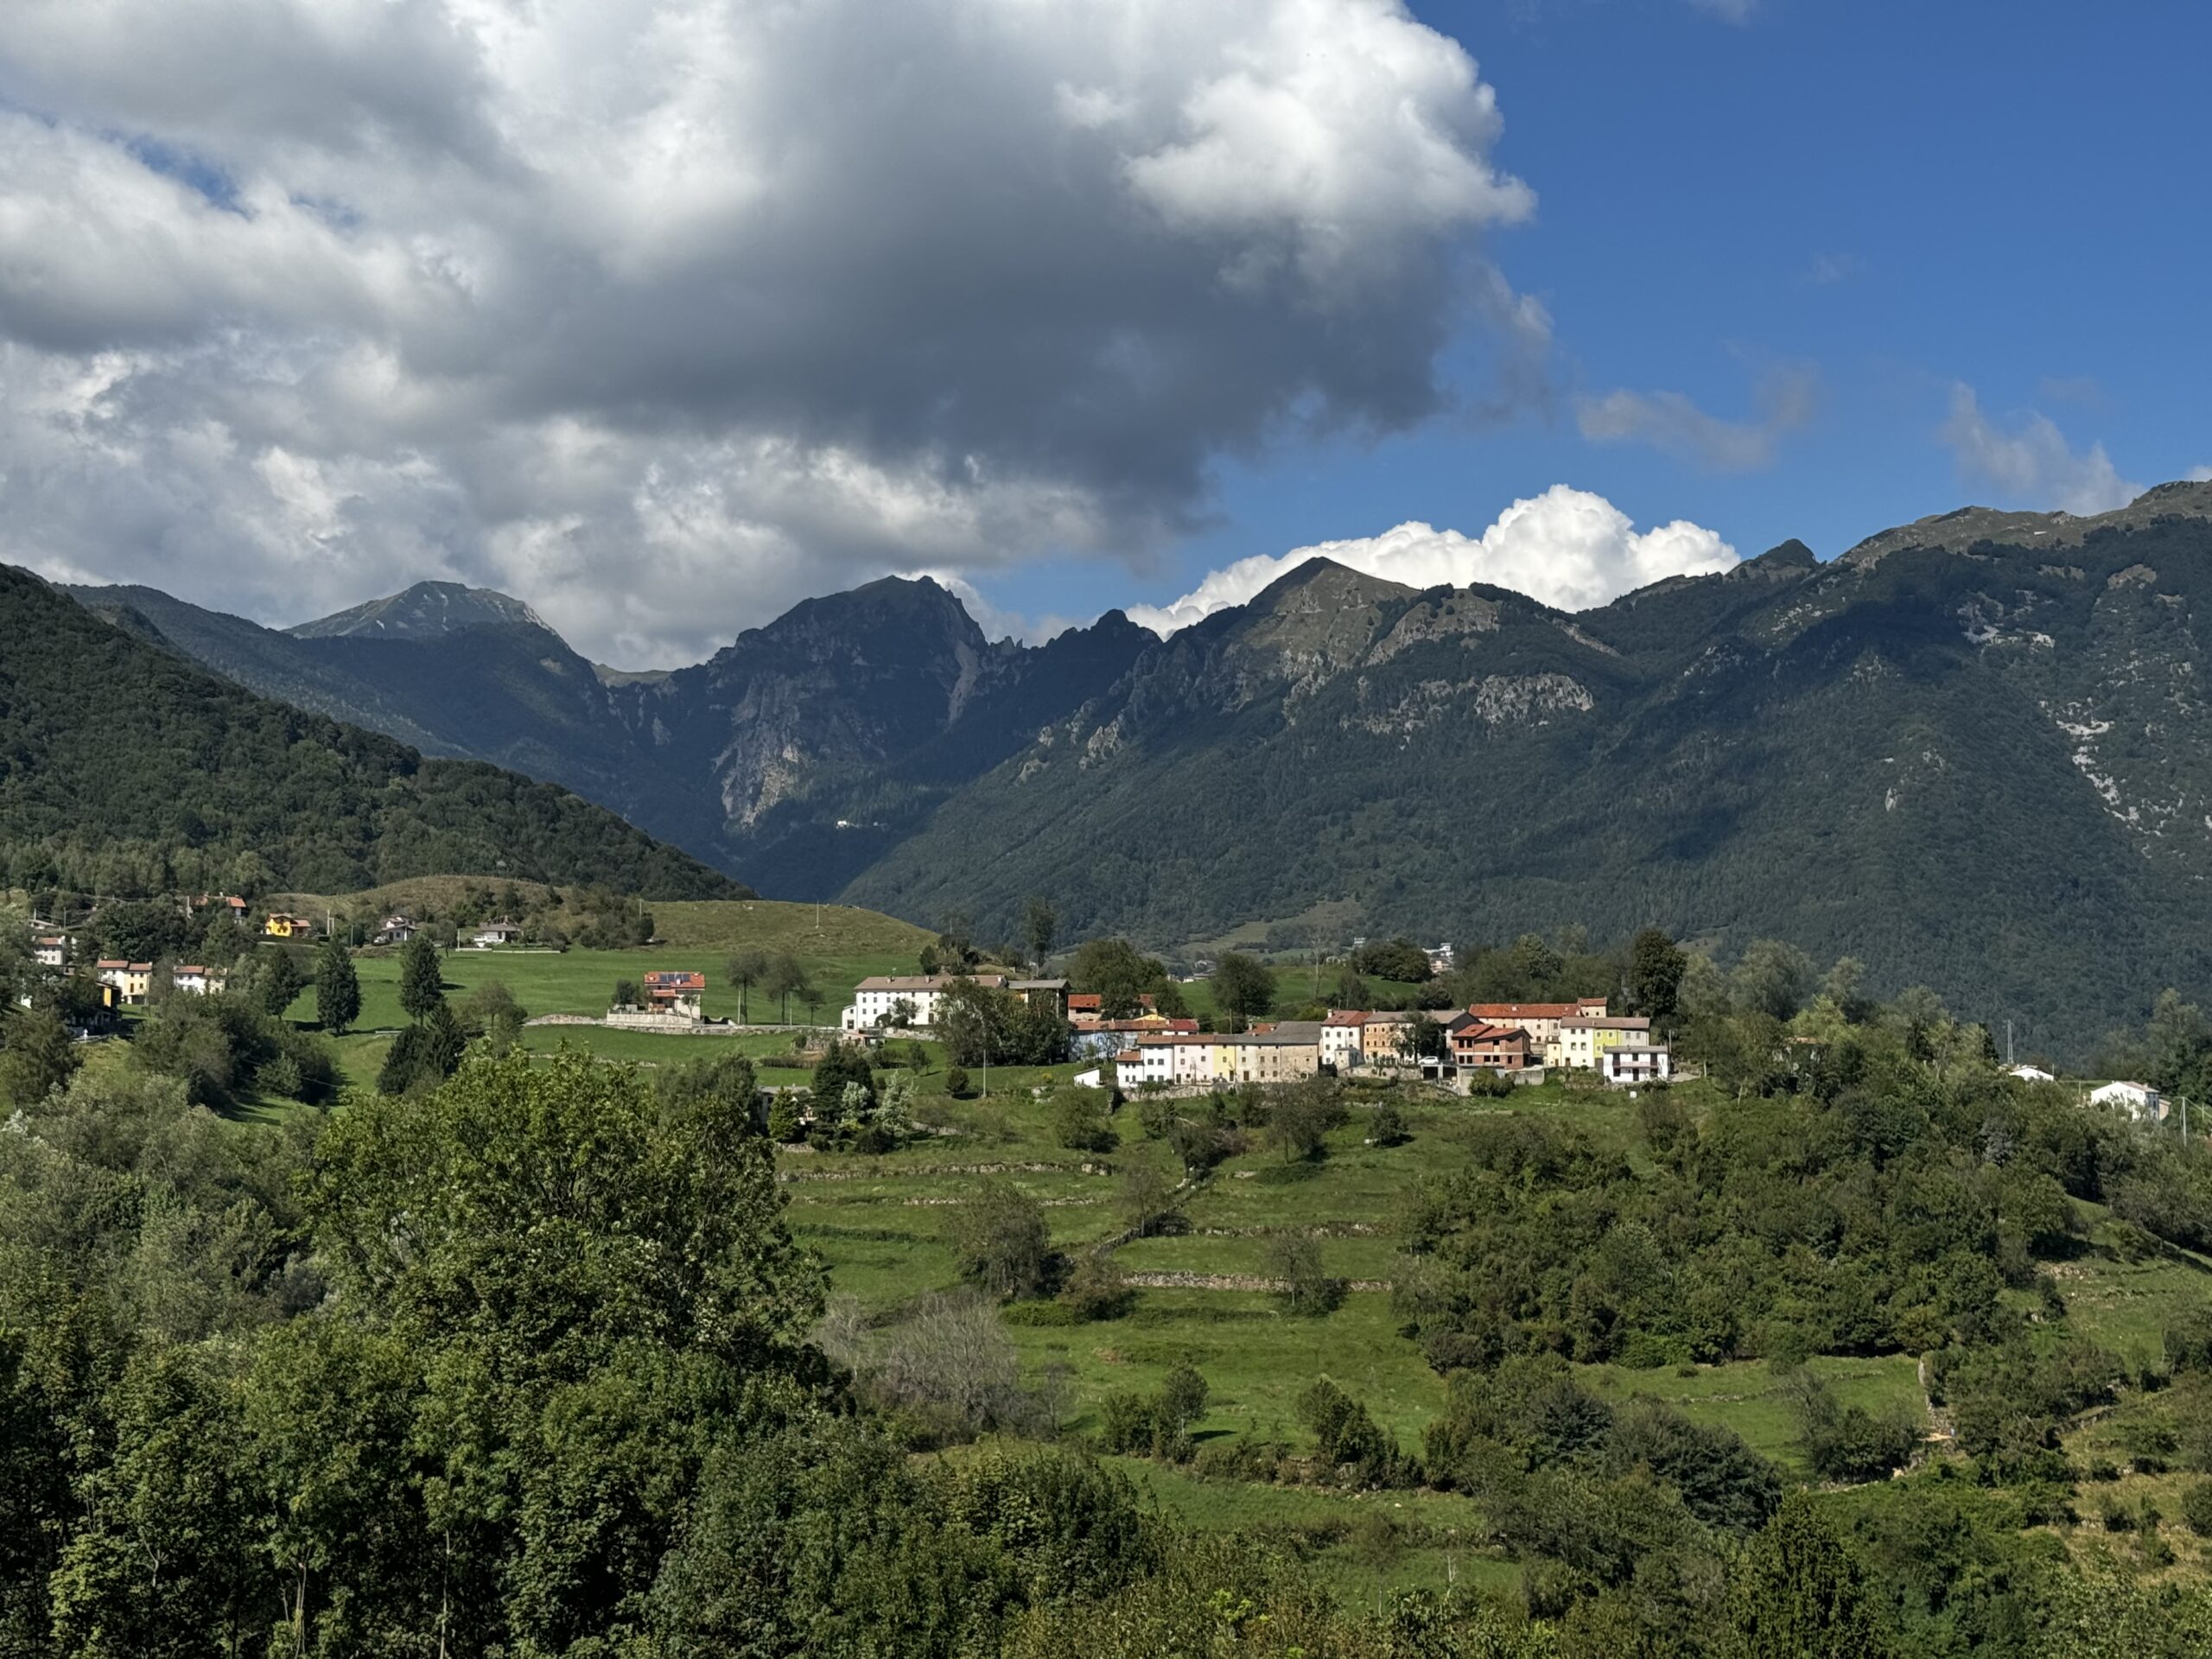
<point>796,756</point>
<point>1973,749</point>
<point>124,767</point>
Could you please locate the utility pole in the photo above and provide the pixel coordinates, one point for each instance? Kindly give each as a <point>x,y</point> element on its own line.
<point>2008,1042</point>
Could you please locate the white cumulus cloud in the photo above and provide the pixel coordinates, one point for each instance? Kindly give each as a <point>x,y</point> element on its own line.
<point>1567,547</point>
<point>2033,463</point>
<point>303,300</point>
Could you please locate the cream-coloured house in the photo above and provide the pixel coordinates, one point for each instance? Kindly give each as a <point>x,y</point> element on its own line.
<point>1584,1039</point>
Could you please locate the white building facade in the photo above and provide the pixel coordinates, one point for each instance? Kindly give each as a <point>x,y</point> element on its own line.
<point>1625,1065</point>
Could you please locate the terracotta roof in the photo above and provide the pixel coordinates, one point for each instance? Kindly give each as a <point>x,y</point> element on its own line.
<point>1524,1010</point>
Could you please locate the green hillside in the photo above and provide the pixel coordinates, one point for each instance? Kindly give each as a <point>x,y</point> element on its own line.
<point>125,770</point>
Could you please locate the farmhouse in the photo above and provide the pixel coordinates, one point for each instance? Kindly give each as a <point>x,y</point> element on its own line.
<point>673,991</point>
<point>1625,1064</point>
<point>2140,1100</point>
<point>196,981</point>
<point>396,929</point>
<point>493,933</point>
<point>50,951</point>
<point>133,981</point>
<point>912,999</point>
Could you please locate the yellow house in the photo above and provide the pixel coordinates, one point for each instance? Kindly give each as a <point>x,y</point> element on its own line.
<point>283,924</point>
<point>133,982</point>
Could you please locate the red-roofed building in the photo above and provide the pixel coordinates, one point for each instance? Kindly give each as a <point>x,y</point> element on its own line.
<point>1499,1048</point>
<point>1540,1019</point>
<point>668,990</point>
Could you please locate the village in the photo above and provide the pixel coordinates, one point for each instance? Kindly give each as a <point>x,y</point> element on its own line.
<point>1128,1046</point>
<point>1152,1051</point>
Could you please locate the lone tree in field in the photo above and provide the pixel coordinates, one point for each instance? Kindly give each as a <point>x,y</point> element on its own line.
<point>422,984</point>
<point>747,968</point>
<point>337,986</point>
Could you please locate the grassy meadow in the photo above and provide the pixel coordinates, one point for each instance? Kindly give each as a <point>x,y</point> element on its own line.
<point>1201,1295</point>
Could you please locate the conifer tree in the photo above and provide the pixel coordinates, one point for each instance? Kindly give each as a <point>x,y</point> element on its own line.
<point>337,985</point>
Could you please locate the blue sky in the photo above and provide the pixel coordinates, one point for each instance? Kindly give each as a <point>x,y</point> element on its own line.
<point>1903,197</point>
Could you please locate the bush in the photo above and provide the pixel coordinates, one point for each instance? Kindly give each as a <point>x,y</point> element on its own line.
<point>784,1126</point>
<point>1155,1424</point>
<point>1097,1288</point>
<point>2196,1508</point>
<point>1347,1438</point>
<point>1295,1258</point>
<point>956,1083</point>
<point>1389,1126</point>
<point>1078,1126</point>
<point>1000,1240</point>
<point>280,1077</point>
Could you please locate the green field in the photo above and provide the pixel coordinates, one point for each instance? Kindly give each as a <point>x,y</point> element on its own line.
<point>837,946</point>
<point>879,1224</point>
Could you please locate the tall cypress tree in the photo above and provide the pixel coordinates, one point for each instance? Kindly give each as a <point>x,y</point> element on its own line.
<point>422,985</point>
<point>337,986</point>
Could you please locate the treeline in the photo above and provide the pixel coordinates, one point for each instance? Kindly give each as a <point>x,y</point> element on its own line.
<point>125,770</point>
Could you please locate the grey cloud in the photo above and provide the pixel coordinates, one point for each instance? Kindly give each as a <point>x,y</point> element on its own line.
<point>1668,421</point>
<point>776,298</point>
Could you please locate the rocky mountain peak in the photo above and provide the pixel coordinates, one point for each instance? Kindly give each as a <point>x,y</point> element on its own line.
<point>429,610</point>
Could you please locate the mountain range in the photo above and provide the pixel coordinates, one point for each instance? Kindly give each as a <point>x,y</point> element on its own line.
<point>127,767</point>
<point>1970,750</point>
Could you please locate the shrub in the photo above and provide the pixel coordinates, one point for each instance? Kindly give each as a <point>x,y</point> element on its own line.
<point>1389,1126</point>
<point>783,1119</point>
<point>1346,1437</point>
<point>1295,1258</point>
<point>956,1083</point>
<point>1097,1288</point>
<point>1078,1126</point>
<point>2196,1508</point>
<point>1000,1240</point>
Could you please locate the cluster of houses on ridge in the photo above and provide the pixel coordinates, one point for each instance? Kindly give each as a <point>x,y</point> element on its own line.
<point>1520,1040</point>
<point>1152,1050</point>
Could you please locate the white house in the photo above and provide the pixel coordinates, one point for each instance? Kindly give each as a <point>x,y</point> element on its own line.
<point>1128,1070</point>
<point>49,950</point>
<point>196,981</point>
<point>2141,1100</point>
<point>2032,1074</point>
<point>1627,1064</point>
<point>1340,1037</point>
<point>493,933</point>
<point>884,998</point>
<point>1094,1079</point>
